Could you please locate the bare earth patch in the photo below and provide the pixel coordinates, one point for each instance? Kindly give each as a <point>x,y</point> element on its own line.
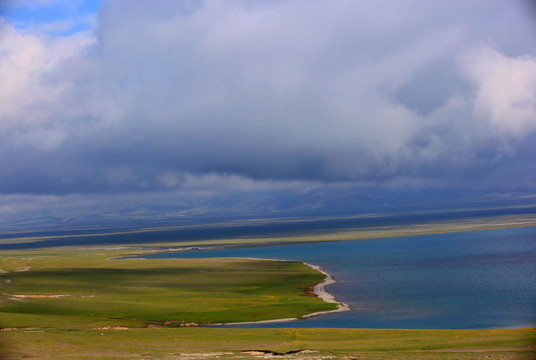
<point>38,296</point>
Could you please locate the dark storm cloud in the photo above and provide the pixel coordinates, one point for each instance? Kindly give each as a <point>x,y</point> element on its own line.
<point>172,95</point>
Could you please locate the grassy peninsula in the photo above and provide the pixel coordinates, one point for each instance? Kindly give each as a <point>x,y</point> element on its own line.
<point>95,291</point>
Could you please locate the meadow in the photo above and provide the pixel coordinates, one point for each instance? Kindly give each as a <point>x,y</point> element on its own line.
<point>92,303</point>
<point>215,343</point>
<point>96,291</point>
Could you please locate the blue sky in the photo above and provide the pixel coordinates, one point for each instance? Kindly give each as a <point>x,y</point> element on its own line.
<point>78,15</point>
<point>214,97</point>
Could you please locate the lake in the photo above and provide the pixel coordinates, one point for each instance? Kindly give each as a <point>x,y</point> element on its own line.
<point>465,280</point>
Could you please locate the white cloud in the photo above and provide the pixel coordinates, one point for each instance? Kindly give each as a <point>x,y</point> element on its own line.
<point>506,90</point>
<point>26,97</point>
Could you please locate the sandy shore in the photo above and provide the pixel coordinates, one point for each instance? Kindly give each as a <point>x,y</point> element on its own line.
<point>319,290</point>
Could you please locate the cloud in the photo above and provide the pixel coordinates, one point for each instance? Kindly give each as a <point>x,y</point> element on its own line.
<point>506,94</point>
<point>25,60</point>
<point>267,93</point>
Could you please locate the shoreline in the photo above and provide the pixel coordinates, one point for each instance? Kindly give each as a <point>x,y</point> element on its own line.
<point>319,290</point>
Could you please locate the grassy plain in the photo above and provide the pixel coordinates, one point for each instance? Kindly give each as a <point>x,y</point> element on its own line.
<point>94,291</point>
<point>217,343</point>
<point>84,303</point>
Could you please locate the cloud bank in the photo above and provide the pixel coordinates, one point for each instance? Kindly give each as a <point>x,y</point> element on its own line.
<point>218,94</point>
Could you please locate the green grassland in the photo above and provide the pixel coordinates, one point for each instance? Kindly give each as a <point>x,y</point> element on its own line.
<point>92,291</point>
<point>216,343</point>
<point>86,303</point>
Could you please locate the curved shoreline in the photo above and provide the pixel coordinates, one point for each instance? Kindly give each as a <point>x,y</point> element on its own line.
<point>319,290</point>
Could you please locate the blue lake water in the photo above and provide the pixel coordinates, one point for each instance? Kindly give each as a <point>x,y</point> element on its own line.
<point>466,280</point>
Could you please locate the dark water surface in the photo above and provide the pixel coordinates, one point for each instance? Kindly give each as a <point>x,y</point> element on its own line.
<point>466,280</point>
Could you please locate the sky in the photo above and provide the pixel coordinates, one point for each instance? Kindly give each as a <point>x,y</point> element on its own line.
<point>100,99</point>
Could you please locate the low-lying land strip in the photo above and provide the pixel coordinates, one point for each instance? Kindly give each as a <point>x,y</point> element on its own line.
<point>316,344</point>
<point>362,232</point>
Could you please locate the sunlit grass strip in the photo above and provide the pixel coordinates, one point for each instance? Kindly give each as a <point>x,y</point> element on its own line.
<point>211,343</point>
